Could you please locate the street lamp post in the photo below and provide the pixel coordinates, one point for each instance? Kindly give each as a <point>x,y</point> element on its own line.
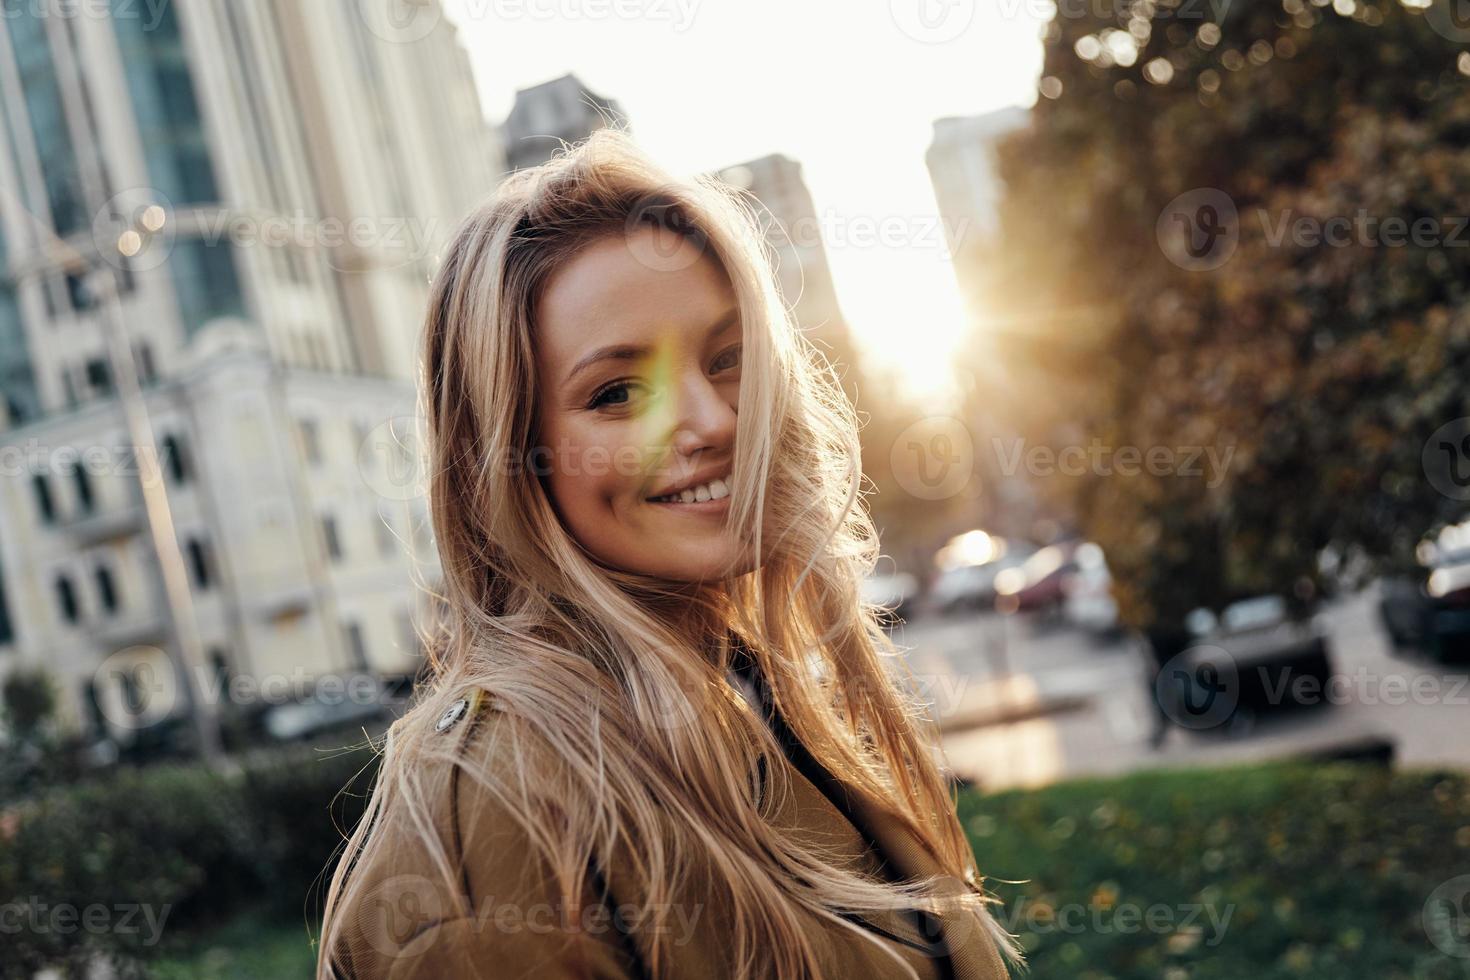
<point>187,655</point>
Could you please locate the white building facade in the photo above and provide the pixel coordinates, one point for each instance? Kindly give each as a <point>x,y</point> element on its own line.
<point>309,165</point>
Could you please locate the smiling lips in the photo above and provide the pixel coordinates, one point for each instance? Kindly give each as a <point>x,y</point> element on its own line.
<point>714,490</point>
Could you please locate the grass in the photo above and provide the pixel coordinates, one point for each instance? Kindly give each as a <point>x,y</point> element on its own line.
<point>1272,872</point>
<point>250,948</point>
<point>1265,872</point>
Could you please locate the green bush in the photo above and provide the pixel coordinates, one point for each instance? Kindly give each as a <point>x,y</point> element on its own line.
<point>1261,872</point>
<point>169,850</point>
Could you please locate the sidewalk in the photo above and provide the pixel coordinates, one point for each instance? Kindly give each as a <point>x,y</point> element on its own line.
<point>1022,708</point>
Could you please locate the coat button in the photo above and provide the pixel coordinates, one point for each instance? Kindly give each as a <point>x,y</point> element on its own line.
<point>453,714</point>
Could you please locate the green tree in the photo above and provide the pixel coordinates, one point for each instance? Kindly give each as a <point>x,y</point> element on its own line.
<point>1161,285</point>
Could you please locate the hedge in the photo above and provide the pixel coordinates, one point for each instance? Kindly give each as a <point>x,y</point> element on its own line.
<point>1275,871</point>
<point>169,851</point>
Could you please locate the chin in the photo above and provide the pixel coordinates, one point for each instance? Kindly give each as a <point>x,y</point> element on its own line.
<point>696,568</point>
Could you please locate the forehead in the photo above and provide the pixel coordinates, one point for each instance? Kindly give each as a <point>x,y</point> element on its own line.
<point>628,289</point>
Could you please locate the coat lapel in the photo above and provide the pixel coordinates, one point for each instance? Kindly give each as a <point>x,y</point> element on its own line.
<point>972,950</point>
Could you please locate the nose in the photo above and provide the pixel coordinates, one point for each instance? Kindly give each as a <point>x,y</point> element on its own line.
<point>704,418</point>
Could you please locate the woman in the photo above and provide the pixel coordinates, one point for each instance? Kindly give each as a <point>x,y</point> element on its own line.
<point>662,738</point>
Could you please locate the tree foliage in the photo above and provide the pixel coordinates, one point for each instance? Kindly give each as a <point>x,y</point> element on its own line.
<point>1202,248</point>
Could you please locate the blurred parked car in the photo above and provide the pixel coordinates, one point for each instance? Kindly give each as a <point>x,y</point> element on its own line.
<point>972,587</point>
<point>1431,613</point>
<point>895,592</point>
<point>1266,657</point>
<point>1036,585</point>
<point>1089,604</point>
<point>318,714</point>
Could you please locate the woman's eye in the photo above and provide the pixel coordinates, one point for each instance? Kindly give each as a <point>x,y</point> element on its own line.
<point>616,393</point>
<point>729,359</point>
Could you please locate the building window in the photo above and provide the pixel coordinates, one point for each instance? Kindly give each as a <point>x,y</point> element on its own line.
<point>79,293</point>
<point>98,376</point>
<point>207,283</point>
<point>7,628</point>
<point>147,370</point>
<point>66,599</point>
<point>197,554</point>
<point>17,379</point>
<point>156,65</point>
<point>356,646</point>
<point>172,451</point>
<point>220,663</point>
<point>334,543</point>
<point>105,588</point>
<point>45,504</point>
<point>40,87</point>
<point>84,487</point>
<point>95,717</point>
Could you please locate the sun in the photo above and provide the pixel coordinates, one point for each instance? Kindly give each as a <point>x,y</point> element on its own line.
<point>909,320</point>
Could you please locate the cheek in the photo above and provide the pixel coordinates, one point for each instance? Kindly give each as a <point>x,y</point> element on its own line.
<point>592,478</point>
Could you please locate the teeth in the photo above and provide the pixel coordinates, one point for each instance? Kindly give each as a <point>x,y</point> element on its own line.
<point>713,490</point>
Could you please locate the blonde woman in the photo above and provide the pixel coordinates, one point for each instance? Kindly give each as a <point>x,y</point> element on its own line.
<point>664,736</point>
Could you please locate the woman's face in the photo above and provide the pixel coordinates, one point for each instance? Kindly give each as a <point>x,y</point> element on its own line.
<point>638,369</point>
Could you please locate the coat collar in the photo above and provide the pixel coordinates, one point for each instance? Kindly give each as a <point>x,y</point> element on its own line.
<point>964,947</point>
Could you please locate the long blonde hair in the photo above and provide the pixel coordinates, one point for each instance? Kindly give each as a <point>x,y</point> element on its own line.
<point>613,672</point>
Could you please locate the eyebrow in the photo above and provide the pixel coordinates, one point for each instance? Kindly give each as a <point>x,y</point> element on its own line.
<point>630,352</point>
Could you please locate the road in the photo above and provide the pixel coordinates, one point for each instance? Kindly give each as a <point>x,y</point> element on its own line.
<point>1079,708</point>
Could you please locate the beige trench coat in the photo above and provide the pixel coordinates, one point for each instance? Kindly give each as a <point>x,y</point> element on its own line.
<point>502,919</point>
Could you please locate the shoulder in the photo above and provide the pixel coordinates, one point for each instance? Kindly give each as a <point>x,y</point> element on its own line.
<point>457,874</point>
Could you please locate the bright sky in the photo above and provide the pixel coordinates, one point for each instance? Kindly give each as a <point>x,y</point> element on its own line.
<point>849,90</point>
